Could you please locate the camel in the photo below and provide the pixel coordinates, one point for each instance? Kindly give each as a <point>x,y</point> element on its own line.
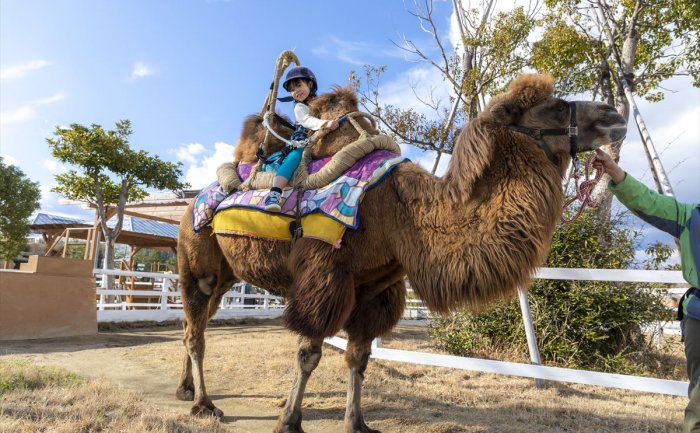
<point>464,240</point>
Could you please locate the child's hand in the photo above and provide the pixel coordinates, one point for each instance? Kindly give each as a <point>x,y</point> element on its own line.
<point>331,124</point>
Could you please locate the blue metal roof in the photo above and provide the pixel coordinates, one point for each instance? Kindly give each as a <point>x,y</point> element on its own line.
<point>131,224</point>
<point>145,226</point>
<point>44,219</point>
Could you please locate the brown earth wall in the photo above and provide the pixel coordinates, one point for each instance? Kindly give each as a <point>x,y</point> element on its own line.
<point>50,297</point>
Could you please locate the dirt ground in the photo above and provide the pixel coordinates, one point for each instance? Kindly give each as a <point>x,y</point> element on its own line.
<point>249,369</point>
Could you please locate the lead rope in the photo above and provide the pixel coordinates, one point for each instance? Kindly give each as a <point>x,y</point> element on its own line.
<point>583,191</point>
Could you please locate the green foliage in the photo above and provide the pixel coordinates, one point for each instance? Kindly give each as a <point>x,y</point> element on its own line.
<point>150,258</point>
<point>657,40</point>
<point>19,198</point>
<point>579,324</point>
<point>108,170</point>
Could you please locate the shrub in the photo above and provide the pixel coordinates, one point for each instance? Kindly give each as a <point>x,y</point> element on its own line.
<point>578,324</point>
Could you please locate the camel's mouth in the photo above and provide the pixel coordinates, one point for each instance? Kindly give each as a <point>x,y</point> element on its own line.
<point>610,132</point>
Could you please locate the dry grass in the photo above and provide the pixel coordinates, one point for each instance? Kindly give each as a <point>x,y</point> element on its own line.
<point>48,399</point>
<point>258,364</point>
<point>250,368</point>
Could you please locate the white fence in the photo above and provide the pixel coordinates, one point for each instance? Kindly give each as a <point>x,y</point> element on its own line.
<point>113,306</point>
<point>534,370</point>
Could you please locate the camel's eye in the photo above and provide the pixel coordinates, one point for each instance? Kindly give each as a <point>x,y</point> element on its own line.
<point>560,109</point>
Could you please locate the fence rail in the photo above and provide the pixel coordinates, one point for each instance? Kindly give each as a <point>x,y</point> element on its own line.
<point>534,370</point>
<point>236,304</point>
<point>113,304</point>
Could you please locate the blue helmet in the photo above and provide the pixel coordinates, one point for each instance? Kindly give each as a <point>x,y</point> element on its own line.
<point>300,72</point>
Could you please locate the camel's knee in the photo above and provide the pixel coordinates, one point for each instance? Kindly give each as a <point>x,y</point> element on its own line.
<point>357,357</point>
<point>309,357</point>
<point>206,284</point>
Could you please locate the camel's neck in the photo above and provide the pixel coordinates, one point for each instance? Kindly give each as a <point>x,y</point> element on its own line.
<point>481,230</point>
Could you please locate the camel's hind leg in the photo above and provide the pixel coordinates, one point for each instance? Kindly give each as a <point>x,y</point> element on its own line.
<point>308,357</point>
<point>372,317</point>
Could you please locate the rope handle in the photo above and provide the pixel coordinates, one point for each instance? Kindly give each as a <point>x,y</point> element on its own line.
<point>283,61</point>
<point>351,118</point>
<point>583,191</point>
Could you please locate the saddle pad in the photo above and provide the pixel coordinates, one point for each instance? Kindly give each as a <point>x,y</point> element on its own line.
<point>251,222</point>
<point>338,201</point>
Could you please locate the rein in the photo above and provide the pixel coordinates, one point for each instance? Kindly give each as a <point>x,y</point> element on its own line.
<point>583,191</point>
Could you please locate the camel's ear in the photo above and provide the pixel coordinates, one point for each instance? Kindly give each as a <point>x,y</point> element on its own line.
<point>506,112</point>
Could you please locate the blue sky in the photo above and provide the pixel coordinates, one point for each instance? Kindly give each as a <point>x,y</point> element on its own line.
<point>186,74</point>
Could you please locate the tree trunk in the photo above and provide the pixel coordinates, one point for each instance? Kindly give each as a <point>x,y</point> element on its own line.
<point>109,259</point>
<point>624,71</point>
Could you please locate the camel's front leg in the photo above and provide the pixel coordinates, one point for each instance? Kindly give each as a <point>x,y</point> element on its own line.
<point>356,357</point>
<point>308,356</point>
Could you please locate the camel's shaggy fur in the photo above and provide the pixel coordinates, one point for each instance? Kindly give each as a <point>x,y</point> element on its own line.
<point>466,239</point>
<point>333,105</point>
<point>253,133</point>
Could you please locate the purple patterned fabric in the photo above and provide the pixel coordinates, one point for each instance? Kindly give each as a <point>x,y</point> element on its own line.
<point>340,200</point>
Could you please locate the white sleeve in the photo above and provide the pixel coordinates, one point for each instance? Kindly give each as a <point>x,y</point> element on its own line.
<point>304,117</point>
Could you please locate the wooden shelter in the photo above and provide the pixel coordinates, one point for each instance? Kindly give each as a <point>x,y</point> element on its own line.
<point>136,232</point>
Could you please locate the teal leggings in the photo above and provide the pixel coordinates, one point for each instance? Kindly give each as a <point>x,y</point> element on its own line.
<point>290,163</point>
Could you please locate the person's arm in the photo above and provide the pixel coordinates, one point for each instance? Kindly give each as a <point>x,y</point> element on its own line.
<point>662,211</point>
<point>303,117</point>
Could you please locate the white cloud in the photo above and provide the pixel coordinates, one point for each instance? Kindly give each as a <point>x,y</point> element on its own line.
<point>140,70</point>
<point>675,131</point>
<point>16,115</point>
<point>189,152</point>
<point>203,172</point>
<point>55,204</point>
<point>19,71</point>
<point>423,81</point>
<point>54,166</point>
<point>8,160</point>
<point>354,52</point>
<point>26,112</point>
<point>50,100</point>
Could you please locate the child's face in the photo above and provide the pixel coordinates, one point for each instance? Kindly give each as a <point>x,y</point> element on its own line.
<point>300,89</point>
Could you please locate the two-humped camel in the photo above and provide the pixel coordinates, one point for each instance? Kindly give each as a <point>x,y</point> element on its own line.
<point>465,239</point>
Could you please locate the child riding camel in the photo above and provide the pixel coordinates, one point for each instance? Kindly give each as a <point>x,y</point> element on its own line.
<point>301,83</point>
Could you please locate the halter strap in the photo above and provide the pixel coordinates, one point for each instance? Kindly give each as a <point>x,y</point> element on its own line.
<point>538,134</point>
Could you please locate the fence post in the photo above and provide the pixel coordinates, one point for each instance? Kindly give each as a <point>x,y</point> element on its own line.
<point>530,332</point>
<point>164,290</point>
<point>103,298</point>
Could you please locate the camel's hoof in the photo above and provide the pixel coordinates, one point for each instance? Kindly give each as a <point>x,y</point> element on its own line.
<point>288,429</point>
<point>204,411</point>
<point>361,429</point>
<point>185,394</point>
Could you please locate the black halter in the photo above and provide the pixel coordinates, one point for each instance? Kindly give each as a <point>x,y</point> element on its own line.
<point>571,131</point>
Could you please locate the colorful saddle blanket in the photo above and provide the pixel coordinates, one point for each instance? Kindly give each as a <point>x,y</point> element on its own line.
<point>326,212</point>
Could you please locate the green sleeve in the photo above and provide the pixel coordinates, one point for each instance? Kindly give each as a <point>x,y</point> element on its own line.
<point>661,211</point>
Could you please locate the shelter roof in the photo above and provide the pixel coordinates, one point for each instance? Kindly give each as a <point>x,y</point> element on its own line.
<point>138,232</point>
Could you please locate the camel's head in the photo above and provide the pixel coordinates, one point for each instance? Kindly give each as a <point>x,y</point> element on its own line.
<point>529,107</point>
<point>253,133</point>
<point>333,105</point>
